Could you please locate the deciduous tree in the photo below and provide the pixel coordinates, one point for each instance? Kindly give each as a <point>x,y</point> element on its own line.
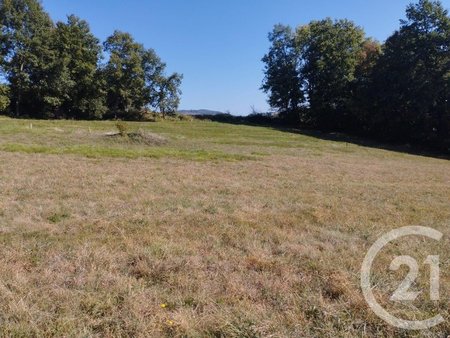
<point>167,94</point>
<point>281,73</point>
<point>25,30</point>
<point>77,82</point>
<point>125,76</point>
<point>412,79</point>
<point>329,54</point>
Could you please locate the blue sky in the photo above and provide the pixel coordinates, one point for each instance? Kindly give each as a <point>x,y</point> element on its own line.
<point>218,45</point>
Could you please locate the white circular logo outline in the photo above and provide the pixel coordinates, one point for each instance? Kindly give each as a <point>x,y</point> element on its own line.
<point>366,271</point>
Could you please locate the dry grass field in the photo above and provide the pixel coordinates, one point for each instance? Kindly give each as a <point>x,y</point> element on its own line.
<point>212,230</point>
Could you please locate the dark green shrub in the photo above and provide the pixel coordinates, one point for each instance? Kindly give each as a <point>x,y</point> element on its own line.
<point>4,98</point>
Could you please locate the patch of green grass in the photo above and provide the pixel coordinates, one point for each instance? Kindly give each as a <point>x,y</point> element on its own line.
<point>191,140</point>
<point>98,151</point>
<point>58,217</point>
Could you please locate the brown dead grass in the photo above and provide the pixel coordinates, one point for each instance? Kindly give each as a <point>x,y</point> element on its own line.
<point>166,247</point>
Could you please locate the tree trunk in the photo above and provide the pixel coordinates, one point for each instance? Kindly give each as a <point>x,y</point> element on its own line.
<point>19,91</point>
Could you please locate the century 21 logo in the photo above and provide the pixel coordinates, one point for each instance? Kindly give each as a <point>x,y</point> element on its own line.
<point>403,292</point>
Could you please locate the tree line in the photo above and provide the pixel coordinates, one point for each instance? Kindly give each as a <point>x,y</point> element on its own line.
<point>58,70</point>
<point>329,75</point>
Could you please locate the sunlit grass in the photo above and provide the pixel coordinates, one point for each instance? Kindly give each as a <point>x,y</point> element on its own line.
<point>219,231</point>
<point>96,152</point>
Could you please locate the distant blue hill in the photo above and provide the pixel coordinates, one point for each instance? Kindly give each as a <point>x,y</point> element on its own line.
<point>200,112</point>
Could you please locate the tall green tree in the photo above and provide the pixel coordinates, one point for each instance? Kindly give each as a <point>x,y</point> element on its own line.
<point>53,71</point>
<point>154,70</point>
<point>125,76</point>
<point>412,79</point>
<point>77,82</point>
<point>281,69</point>
<point>26,56</point>
<point>360,90</point>
<point>135,78</point>
<point>329,53</point>
<point>166,96</point>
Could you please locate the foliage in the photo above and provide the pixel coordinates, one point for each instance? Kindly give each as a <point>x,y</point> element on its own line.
<point>4,98</point>
<point>80,85</point>
<point>54,70</point>
<point>282,79</point>
<point>411,82</point>
<point>347,82</point>
<point>135,79</point>
<point>329,53</point>
<point>26,55</point>
<point>167,94</point>
<point>122,128</point>
<point>361,88</point>
<point>124,75</point>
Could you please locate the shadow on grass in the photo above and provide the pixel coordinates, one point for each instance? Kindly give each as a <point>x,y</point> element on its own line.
<point>269,122</point>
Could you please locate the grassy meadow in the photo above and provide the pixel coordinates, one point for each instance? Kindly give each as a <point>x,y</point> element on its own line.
<point>204,229</point>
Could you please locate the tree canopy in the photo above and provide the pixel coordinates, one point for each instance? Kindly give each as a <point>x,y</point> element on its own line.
<point>282,79</point>
<point>333,77</point>
<point>411,84</point>
<point>329,53</point>
<point>56,70</point>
